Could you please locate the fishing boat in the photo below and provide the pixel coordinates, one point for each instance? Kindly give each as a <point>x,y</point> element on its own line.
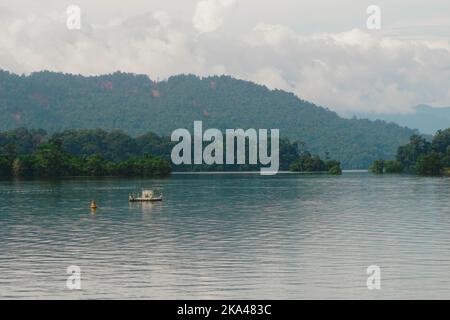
<point>146,195</point>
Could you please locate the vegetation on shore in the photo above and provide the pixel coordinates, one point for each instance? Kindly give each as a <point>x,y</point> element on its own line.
<point>29,157</point>
<point>136,105</point>
<point>33,153</point>
<point>308,163</point>
<point>419,156</point>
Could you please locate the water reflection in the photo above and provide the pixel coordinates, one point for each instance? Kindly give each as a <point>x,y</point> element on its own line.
<point>227,236</point>
<point>146,207</point>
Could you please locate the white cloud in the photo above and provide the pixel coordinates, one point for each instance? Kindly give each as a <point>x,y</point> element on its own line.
<point>209,14</point>
<point>271,77</point>
<point>356,70</point>
<point>347,71</point>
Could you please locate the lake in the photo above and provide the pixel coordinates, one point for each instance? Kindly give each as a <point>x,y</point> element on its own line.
<point>220,236</point>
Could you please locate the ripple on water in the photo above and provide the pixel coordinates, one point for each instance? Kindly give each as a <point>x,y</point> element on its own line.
<point>227,236</point>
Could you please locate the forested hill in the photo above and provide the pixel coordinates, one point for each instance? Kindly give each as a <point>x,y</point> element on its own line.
<point>136,104</point>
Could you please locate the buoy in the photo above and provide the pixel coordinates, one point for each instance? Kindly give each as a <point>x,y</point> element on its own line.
<point>93,204</point>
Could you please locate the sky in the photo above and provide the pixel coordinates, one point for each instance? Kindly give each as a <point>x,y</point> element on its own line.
<point>321,50</point>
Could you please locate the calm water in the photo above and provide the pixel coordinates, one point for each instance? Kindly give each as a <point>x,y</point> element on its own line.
<point>228,236</point>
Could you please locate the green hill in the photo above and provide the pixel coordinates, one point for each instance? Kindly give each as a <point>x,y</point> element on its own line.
<point>136,104</point>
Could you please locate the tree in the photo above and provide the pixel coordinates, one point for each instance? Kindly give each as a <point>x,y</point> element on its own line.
<point>5,167</point>
<point>393,166</point>
<point>336,170</point>
<point>446,158</point>
<point>429,165</point>
<point>289,152</point>
<point>22,166</point>
<point>95,166</point>
<point>408,154</point>
<point>308,163</point>
<point>441,141</point>
<point>423,157</point>
<point>377,167</point>
<point>49,160</point>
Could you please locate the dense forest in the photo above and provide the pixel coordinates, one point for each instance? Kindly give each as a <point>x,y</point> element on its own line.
<point>309,163</point>
<point>419,156</point>
<point>31,153</point>
<point>136,105</point>
<point>96,152</point>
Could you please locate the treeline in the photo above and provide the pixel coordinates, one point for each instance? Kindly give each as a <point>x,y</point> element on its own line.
<point>419,156</point>
<point>308,163</point>
<point>30,154</point>
<point>97,152</point>
<point>136,104</point>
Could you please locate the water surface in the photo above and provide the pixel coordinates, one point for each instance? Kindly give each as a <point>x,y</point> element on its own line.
<point>241,236</point>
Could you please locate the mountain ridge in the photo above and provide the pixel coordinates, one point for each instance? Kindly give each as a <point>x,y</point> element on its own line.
<point>136,104</point>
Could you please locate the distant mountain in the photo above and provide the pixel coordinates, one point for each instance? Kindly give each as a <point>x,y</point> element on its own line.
<point>136,104</point>
<point>425,118</point>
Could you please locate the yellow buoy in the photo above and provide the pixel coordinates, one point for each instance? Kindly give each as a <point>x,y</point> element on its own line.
<point>93,204</point>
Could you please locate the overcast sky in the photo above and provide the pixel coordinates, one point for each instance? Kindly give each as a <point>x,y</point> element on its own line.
<point>321,50</point>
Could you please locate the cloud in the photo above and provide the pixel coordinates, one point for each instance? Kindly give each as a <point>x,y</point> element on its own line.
<point>149,43</point>
<point>209,14</point>
<point>351,71</point>
<point>355,70</point>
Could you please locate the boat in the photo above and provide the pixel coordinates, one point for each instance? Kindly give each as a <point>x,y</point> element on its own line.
<point>146,195</point>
